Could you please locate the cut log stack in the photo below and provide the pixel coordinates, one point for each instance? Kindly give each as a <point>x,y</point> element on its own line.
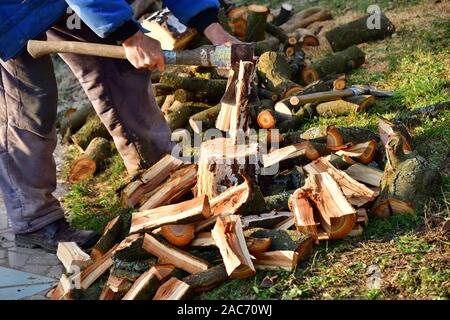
<point>246,205</point>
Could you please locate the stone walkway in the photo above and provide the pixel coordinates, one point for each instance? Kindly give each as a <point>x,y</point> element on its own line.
<point>39,265</point>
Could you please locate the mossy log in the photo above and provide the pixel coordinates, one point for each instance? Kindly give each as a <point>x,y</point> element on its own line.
<point>161,89</point>
<point>407,181</point>
<point>275,73</point>
<point>337,108</point>
<point>341,62</point>
<point>304,114</point>
<point>306,17</point>
<point>177,115</point>
<point>270,44</point>
<point>277,201</point>
<point>286,11</point>
<point>211,90</point>
<point>87,164</point>
<point>208,279</point>
<point>256,23</point>
<point>73,119</point>
<point>264,94</point>
<point>91,129</point>
<point>349,134</point>
<point>277,32</point>
<point>205,119</point>
<point>358,31</point>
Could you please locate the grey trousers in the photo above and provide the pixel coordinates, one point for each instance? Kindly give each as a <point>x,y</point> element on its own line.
<point>122,97</point>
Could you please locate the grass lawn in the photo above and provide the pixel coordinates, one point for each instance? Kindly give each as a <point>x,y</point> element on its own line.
<point>409,252</point>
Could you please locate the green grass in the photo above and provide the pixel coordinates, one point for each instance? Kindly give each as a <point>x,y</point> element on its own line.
<point>409,250</point>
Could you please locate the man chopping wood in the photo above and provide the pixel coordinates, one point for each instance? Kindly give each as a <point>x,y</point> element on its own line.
<point>121,95</point>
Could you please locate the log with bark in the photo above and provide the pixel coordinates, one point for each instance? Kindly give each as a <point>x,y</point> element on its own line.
<point>286,11</point>
<point>361,152</point>
<point>130,249</point>
<point>237,20</point>
<point>387,128</point>
<point>178,234</point>
<point>408,180</point>
<point>208,279</point>
<point>229,237</point>
<point>276,260</point>
<point>172,255</point>
<point>171,190</point>
<point>94,271</point>
<point>256,23</point>
<point>91,129</point>
<point>177,115</point>
<point>151,178</point>
<point>179,213</point>
<point>205,119</point>
<point>275,73</point>
<point>306,17</point>
<point>349,134</point>
<point>73,119</point>
<point>144,288</point>
<point>360,31</point>
<point>172,289</point>
<point>112,235</point>
<point>85,166</point>
<point>269,44</point>
<point>289,240</point>
<point>340,62</point>
<point>337,108</point>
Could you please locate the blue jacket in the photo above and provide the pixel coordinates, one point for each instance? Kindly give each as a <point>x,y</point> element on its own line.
<point>22,20</point>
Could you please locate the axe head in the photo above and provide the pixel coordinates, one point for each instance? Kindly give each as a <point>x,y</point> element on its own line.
<point>241,51</point>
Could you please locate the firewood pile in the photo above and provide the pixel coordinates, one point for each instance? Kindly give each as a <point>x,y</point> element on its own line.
<point>251,201</point>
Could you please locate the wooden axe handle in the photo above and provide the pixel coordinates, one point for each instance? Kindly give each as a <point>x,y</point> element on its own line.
<point>203,56</point>
<point>324,96</point>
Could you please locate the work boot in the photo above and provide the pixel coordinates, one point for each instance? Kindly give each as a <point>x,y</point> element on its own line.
<point>58,231</point>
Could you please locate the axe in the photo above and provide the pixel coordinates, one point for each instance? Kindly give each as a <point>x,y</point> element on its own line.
<point>217,56</point>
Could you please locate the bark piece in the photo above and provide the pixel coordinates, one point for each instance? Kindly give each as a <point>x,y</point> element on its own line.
<point>358,31</point>
<point>228,236</point>
<point>275,73</point>
<point>172,255</point>
<point>86,165</point>
<point>172,289</point>
<point>72,257</point>
<point>180,213</point>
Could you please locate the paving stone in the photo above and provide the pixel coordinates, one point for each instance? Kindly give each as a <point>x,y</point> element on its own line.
<point>3,254</point>
<point>17,260</point>
<point>36,269</point>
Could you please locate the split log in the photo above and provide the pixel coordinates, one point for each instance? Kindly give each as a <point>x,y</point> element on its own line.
<point>163,271</point>
<point>208,279</point>
<point>144,288</point>
<point>172,255</point>
<point>387,128</point>
<point>228,202</point>
<point>203,239</point>
<point>74,118</point>
<point>151,178</point>
<point>240,112</point>
<point>265,220</point>
<point>204,120</point>
<point>336,214</point>
<point>406,180</point>
<point>365,174</point>
<point>256,23</point>
<point>114,288</point>
<point>130,249</point>
<point>364,101</point>
<point>356,193</point>
<point>166,28</point>
<point>303,213</point>
<point>112,234</point>
<point>340,83</point>
<point>72,257</point>
<point>306,17</point>
<point>341,62</point>
<point>94,271</point>
<point>305,37</point>
<point>358,31</point>
<point>91,129</point>
<point>220,164</point>
<point>275,73</point>
<point>285,225</point>
<point>228,236</point>
<point>289,240</point>
<point>227,102</point>
<point>285,13</point>
<point>285,153</point>
<point>211,90</point>
<point>258,245</point>
<point>362,152</point>
<point>180,213</point>
<point>178,235</point>
<point>86,165</point>
<point>171,190</point>
<point>276,260</point>
<point>237,20</point>
<point>172,289</point>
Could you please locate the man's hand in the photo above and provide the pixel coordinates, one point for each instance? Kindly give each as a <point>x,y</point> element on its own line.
<point>218,36</point>
<point>144,52</point>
